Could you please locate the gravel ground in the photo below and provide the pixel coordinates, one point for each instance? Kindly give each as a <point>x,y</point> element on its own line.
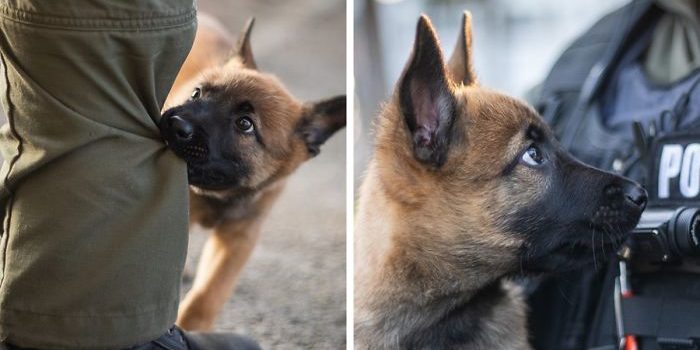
<point>291,294</point>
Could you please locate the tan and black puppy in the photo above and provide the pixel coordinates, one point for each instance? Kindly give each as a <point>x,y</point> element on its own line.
<point>242,134</point>
<point>467,187</point>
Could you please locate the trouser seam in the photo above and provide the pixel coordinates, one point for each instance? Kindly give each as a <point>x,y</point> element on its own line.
<point>6,181</point>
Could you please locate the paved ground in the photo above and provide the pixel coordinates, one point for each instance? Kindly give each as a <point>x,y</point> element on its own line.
<point>292,293</point>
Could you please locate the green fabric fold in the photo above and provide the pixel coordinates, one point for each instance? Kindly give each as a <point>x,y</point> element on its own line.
<point>95,207</point>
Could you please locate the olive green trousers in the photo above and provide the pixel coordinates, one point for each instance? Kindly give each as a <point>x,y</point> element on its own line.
<point>94,207</point>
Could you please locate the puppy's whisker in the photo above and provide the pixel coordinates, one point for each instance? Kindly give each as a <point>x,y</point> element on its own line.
<point>619,231</point>
<point>602,243</point>
<point>595,260</point>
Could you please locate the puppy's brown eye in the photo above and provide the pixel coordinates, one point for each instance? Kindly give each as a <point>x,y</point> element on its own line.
<point>245,124</point>
<point>196,93</point>
<point>245,107</point>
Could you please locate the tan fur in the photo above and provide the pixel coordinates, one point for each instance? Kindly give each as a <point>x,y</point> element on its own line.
<point>235,217</point>
<point>211,47</point>
<point>425,236</point>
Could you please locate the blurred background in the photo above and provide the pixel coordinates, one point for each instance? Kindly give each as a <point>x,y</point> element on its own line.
<point>515,44</point>
<point>291,294</point>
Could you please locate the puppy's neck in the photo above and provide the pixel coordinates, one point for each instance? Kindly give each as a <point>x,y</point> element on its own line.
<point>215,207</point>
<point>407,279</point>
<point>412,246</point>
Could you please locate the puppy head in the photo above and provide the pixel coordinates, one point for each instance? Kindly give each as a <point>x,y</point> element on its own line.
<point>241,130</point>
<point>481,173</point>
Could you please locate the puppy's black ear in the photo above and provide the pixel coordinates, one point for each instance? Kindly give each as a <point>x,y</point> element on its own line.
<point>426,99</point>
<point>243,52</point>
<point>320,121</point>
<point>460,65</point>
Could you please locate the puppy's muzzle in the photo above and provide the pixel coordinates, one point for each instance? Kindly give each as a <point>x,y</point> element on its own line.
<point>622,201</point>
<point>627,193</point>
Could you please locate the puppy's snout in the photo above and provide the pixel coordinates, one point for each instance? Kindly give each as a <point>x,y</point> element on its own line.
<point>628,192</point>
<point>182,129</point>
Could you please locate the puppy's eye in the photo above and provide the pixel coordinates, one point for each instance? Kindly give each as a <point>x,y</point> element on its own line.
<point>245,124</point>
<point>245,107</point>
<point>533,156</point>
<point>196,93</point>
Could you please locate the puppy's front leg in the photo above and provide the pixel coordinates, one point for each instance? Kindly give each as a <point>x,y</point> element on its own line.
<point>224,255</point>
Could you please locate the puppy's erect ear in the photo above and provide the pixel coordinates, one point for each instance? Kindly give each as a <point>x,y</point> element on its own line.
<point>460,66</point>
<point>320,121</point>
<point>426,99</point>
<point>243,52</point>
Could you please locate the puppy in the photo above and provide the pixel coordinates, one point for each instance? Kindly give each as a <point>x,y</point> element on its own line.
<point>466,188</point>
<point>242,134</point>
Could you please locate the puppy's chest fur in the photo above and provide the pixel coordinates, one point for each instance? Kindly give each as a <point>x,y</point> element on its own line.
<point>209,211</point>
<point>493,318</point>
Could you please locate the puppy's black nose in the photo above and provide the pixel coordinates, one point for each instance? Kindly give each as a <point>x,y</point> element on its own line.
<point>627,191</point>
<point>182,129</point>
<point>636,194</point>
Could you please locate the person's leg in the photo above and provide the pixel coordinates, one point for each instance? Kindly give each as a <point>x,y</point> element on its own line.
<point>95,208</point>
